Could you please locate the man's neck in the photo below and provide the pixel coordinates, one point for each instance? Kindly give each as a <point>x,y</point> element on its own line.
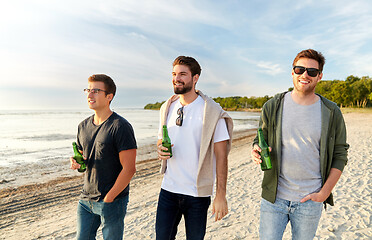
<point>187,98</point>
<point>303,98</point>
<point>101,115</point>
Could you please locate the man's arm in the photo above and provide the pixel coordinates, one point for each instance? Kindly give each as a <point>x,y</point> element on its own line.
<point>323,194</point>
<point>220,208</point>
<point>128,161</point>
<point>338,163</point>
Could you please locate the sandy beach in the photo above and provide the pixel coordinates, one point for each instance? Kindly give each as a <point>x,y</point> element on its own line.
<point>45,207</point>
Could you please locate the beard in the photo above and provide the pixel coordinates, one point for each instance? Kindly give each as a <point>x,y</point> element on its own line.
<point>184,89</point>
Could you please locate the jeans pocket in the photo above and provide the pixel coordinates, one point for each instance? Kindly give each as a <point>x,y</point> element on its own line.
<point>311,208</point>
<point>114,210</point>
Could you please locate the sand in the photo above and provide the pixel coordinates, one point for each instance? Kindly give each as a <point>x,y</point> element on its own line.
<point>47,210</point>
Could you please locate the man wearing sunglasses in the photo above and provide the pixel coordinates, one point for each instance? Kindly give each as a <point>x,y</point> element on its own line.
<point>107,142</point>
<point>307,135</point>
<point>200,132</point>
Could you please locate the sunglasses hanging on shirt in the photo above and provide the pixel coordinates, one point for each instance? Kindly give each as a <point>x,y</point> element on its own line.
<point>179,120</point>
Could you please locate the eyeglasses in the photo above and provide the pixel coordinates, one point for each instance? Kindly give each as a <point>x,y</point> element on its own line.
<point>312,72</point>
<point>93,90</point>
<point>179,120</point>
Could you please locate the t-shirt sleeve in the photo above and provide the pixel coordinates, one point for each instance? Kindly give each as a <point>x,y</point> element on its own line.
<point>125,138</point>
<point>221,133</point>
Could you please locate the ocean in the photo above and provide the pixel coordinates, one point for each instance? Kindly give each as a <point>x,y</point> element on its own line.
<point>43,136</point>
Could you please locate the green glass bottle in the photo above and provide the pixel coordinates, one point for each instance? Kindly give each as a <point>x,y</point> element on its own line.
<point>265,153</point>
<point>79,158</point>
<point>166,142</point>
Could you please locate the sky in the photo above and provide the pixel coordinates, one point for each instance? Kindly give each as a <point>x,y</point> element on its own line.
<point>49,48</point>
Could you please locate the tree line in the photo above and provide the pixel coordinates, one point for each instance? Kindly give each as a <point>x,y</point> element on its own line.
<point>353,92</point>
<point>154,106</point>
<point>239,103</point>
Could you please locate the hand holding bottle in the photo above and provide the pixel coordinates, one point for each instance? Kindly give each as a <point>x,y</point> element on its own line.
<point>261,152</point>
<point>256,154</point>
<point>163,152</point>
<point>165,148</point>
<point>77,161</point>
<point>73,164</point>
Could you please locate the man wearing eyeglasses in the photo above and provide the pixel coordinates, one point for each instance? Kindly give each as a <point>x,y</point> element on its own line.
<point>200,132</point>
<point>307,135</point>
<point>108,143</point>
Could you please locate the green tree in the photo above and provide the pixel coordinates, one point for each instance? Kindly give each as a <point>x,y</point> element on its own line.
<point>351,79</point>
<point>154,106</point>
<point>362,90</point>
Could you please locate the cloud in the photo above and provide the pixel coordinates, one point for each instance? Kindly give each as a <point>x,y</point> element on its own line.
<point>244,47</point>
<point>270,68</point>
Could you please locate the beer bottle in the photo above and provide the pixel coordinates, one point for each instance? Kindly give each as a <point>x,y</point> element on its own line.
<point>166,142</point>
<point>79,158</point>
<point>265,153</point>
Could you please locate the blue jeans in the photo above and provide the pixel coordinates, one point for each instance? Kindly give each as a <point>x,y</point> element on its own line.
<point>91,214</point>
<point>171,207</point>
<point>304,218</point>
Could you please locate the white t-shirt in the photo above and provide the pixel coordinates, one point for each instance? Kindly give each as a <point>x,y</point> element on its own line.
<point>182,169</point>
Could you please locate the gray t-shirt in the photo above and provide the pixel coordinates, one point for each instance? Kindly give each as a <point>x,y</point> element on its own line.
<point>101,145</point>
<point>300,166</point>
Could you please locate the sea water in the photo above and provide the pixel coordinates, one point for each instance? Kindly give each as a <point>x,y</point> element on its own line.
<point>28,137</point>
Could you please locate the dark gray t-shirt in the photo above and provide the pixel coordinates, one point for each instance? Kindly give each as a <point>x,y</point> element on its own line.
<point>101,145</point>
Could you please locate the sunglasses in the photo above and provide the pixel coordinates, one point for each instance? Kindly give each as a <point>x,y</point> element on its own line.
<point>312,72</point>
<point>179,120</point>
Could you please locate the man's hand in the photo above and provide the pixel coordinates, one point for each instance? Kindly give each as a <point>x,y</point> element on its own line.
<point>316,197</point>
<point>107,199</point>
<point>219,207</point>
<point>255,153</point>
<point>73,164</point>
<point>161,154</point>
<point>323,194</point>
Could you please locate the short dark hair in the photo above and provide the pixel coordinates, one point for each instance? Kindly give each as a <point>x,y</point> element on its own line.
<point>312,54</point>
<point>109,83</point>
<point>190,62</point>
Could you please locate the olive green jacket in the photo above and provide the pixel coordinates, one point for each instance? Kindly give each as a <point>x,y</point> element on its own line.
<point>333,146</point>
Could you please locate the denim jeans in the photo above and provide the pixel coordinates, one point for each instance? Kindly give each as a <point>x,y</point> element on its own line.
<point>304,218</point>
<point>91,214</point>
<point>171,207</point>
